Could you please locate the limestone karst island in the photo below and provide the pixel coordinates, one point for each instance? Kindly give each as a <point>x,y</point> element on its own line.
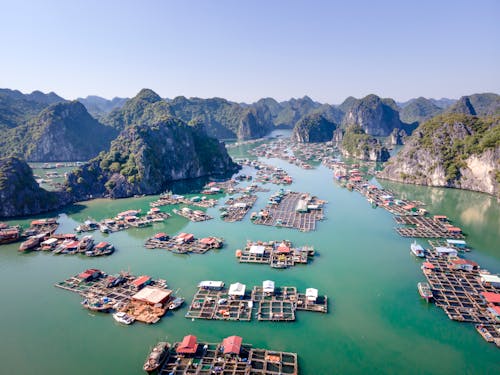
<point>250,188</point>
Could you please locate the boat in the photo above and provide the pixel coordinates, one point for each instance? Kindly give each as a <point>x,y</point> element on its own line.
<point>417,250</point>
<point>104,228</point>
<point>86,244</point>
<point>425,291</point>
<point>176,303</point>
<point>102,248</point>
<point>97,305</point>
<point>484,333</point>
<point>31,242</point>
<point>9,234</point>
<point>124,318</point>
<point>157,356</point>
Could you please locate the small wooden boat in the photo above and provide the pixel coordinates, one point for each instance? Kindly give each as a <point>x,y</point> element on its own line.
<point>425,291</point>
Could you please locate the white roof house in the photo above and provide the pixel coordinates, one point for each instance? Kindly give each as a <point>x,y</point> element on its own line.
<point>237,289</point>
<point>210,284</point>
<point>268,286</point>
<point>458,243</point>
<point>257,249</point>
<point>50,241</point>
<point>494,280</point>
<point>312,294</point>
<point>442,250</point>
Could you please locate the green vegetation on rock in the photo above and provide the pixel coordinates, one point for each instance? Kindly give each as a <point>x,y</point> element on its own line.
<point>313,128</point>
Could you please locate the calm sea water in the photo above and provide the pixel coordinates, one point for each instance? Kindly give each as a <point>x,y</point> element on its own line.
<point>377,322</point>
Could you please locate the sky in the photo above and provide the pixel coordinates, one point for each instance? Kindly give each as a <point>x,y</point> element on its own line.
<point>246,50</point>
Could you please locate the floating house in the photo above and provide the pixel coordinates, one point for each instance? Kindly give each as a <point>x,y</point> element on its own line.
<point>311,295</point>
<point>487,279</point>
<point>257,250</point>
<point>189,345</point>
<point>237,290</point>
<point>232,345</point>
<point>152,296</point>
<point>161,237</point>
<point>446,251</point>
<point>462,264</point>
<point>141,282</point>
<point>457,243</point>
<point>90,274</point>
<point>268,287</point>
<point>212,285</point>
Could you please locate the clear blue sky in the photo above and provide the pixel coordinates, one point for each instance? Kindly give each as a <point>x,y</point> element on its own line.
<point>245,50</point>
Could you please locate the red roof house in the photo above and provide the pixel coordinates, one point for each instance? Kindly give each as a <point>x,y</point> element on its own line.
<point>141,281</point>
<point>232,344</point>
<point>491,297</point>
<point>188,345</point>
<point>282,248</point>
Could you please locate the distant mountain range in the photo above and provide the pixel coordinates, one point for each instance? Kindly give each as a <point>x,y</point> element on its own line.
<point>45,127</point>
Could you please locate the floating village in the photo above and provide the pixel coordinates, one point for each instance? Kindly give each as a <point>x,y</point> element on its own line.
<point>459,286</point>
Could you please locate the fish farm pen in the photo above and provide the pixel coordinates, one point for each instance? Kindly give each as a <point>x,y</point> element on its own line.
<point>460,293</point>
<point>231,357</point>
<point>235,209</point>
<point>143,298</point>
<point>291,210</point>
<point>266,302</point>
<point>425,227</point>
<point>277,254</point>
<point>183,243</point>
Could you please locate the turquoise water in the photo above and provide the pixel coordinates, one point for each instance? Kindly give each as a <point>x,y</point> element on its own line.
<point>377,323</point>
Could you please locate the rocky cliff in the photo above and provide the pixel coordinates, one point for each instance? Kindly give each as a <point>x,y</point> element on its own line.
<point>62,132</point>
<point>313,128</point>
<point>419,110</point>
<point>98,106</point>
<point>144,158</point>
<point>487,104</point>
<point>16,108</point>
<point>359,145</point>
<point>20,194</point>
<point>377,117</point>
<point>459,151</point>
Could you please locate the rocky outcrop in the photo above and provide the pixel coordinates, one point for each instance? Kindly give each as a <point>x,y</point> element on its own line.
<point>419,110</point>
<point>20,195</point>
<point>397,137</point>
<point>458,151</point>
<point>477,105</point>
<point>313,128</point>
<point>338,135</point>
<point>145,158</point>
<point>62,132</point>
<point>376,116</point>
<point>359,145</point>
<point>98,106</point>
<point>17,108</point>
